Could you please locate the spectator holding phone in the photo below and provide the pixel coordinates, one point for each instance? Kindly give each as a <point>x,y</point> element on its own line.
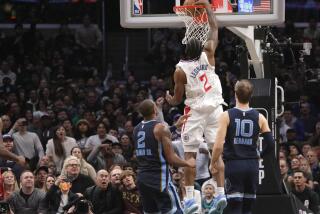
<point>59,195</point>
<point>6,154</point>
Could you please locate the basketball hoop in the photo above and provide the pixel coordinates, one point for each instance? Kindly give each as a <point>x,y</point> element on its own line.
<point>196,21</point>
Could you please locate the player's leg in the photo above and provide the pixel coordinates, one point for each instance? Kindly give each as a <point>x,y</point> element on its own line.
<point>234,206</point>
<point>235,177</point>
<point>192,135</point>
<point>149,198</point>
<point>210,137</point>
<point>169,201</point>
<point>190,174</point>
<point>251,185</point>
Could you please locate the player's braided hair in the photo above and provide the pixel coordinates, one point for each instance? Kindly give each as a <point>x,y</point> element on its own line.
<point>194,49</point>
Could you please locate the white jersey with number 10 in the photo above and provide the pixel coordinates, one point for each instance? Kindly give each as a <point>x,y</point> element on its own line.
<point>203,88</point>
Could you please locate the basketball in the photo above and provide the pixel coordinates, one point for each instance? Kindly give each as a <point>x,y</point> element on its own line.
<point>193,11</point>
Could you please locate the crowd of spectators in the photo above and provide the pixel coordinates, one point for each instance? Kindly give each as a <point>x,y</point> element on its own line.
<point>74,122</point>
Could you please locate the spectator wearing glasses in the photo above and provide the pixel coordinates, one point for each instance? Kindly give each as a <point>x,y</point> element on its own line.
<point>79,181</point>
<point>85,167</point>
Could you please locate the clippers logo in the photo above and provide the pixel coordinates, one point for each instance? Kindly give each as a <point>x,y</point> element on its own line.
<point>137,7</point>
<point>185,138</point>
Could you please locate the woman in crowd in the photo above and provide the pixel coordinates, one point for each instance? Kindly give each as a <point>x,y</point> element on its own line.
<point>52,169</point>
<point>49,182</point>
<point>9,184</point>
<point>59,147</point>
<point>127,147</point>
<point>82,133</point>
<point>293,151</point>
<point>305,167</point>
<point>85,167</point>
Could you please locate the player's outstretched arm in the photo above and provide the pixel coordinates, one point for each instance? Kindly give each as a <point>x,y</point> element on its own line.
<point>212,40</point>
<point>220,138</point>
<point>163,135</point>
<point>180,80</point>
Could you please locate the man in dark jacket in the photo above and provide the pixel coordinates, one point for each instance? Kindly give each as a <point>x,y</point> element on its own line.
<point>27,200</point>
<point>79,181</point>
<point>104,197</point>
<point>59,195</point>
<point>308,197</point>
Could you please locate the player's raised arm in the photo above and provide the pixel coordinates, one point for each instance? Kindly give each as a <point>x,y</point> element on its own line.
<point>180,80</point>
<point>212,40</point>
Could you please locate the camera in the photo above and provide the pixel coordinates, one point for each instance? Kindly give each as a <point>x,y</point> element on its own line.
<point>4,207</point>
<point>82,206</point>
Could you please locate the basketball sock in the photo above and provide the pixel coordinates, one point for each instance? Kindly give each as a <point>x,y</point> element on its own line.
<point>189,192</point>
<point>220,190</point>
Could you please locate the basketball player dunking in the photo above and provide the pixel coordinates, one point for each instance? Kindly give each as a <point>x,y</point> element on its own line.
<point>195,76</point>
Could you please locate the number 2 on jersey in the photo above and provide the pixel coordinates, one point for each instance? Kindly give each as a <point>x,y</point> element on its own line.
<point>206,85</point>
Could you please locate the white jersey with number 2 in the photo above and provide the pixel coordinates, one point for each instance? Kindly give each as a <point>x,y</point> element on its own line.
<point>203,89</point>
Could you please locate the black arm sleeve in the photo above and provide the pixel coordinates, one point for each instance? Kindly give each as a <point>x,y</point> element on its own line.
<point>268,143</point>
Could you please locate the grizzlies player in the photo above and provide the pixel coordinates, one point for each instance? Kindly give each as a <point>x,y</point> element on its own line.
<point>154,154</point>
<point>237,137</point>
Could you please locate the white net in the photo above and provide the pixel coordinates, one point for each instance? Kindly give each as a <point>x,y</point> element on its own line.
<point>196,22</point>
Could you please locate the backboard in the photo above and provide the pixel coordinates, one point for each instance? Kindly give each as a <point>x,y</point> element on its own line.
<point>160,14</point>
